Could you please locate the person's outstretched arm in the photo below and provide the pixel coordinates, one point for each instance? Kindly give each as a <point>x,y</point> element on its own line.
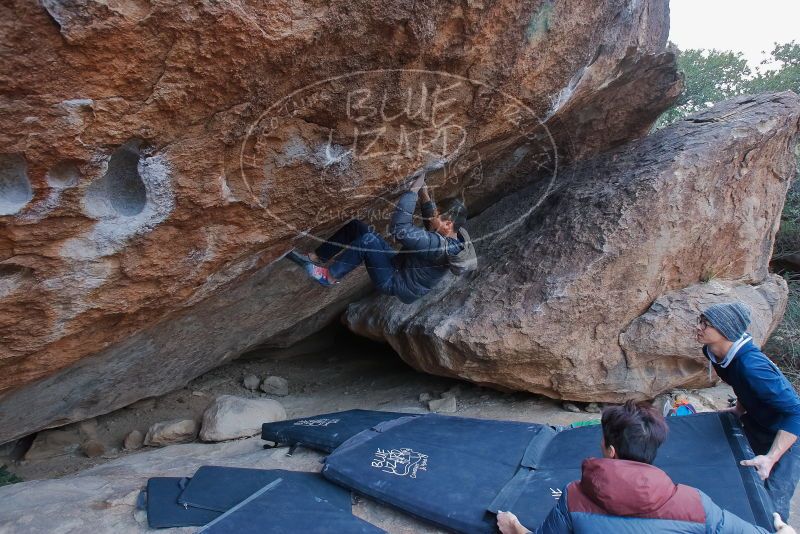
<point>558,521</point>
<point>764,463</point>
<point>429,210</point>
<point>772,389</point>
<point>402,226</point>
<point>721,521</point>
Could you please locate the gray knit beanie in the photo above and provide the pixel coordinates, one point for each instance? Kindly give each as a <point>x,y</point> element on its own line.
<point>731,319</point>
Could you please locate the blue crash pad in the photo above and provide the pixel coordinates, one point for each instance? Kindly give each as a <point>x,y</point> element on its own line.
<point>453,471</point>
<point>283,507</point>
<point>163,510</point>
<point>447,470</point>
<point>222,488</point>
<point>324,432</point>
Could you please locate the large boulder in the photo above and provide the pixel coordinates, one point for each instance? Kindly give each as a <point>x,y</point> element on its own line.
<point>589,286</point>
<point>157,158</point>
<point>659,344</point>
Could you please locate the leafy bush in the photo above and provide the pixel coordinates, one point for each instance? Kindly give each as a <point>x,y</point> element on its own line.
<point>787,242</point>
<point>7,477</point>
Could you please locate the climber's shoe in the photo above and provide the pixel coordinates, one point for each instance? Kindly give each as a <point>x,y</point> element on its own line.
<point>320,274</point>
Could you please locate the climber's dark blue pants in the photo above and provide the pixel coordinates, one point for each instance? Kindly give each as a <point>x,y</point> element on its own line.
<point>359,245</point>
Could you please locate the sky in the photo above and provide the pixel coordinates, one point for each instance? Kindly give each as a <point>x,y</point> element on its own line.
<point>739,25</point>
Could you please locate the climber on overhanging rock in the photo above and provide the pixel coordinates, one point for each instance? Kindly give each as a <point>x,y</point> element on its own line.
<point>410,273</point>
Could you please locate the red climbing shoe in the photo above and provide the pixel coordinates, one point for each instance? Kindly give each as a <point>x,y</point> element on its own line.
<point>320,274</point>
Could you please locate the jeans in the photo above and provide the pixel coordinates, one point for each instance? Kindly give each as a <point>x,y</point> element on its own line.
<point>360,245</point>
<point>785,474</point>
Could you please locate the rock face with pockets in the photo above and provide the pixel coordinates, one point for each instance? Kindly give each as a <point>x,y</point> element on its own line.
<point>158,158</point>
<point>594,295</point>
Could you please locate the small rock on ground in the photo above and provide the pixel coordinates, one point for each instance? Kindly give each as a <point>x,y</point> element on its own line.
<point>169,432</point>
<point>231,417</point>
<point>88,429</point>
<point>133,441</point>
<point>444,405</point>
<point>275,385</point>
<point>570,407</point>
<point>593,407</point>
<point>454,391</point>
<point>251,382</point>
<point>93,448</point>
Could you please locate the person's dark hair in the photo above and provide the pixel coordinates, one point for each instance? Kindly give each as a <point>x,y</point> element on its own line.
<point>635,430</point>
<point>454,211</point>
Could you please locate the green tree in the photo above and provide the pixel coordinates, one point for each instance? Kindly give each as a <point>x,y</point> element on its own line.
<point>786,77</point>
<point>714,75</point>
<point>710,76</point>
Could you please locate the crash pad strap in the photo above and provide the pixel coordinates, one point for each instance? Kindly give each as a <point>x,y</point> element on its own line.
<point>388,425</point>
<point>221,488</point>
<point>537,447</point>
<point>510,493</point>
<point>368,434</point>
<point>252,497</point>
<point>285,506</point>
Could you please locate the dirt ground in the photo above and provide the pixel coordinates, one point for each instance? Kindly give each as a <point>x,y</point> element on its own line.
<point>330,372</point>
<point>336,375</point>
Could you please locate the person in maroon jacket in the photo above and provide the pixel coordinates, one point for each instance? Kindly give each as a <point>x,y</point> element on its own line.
<point>623,492</point>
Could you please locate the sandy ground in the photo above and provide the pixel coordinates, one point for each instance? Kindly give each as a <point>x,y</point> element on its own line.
<point>338,374</point>
<point>354,374</point>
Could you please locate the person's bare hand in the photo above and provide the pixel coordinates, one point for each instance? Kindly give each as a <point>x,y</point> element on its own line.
<point>508,523</point>
<point>763,465</point>
<point>780,526</point>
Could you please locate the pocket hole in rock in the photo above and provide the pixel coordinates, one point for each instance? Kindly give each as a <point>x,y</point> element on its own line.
<point>124,184</point>
<point>15,187</point>
<point>65,174</point>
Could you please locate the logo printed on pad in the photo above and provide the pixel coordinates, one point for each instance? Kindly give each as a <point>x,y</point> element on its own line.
<point>316,422</point>
<point>401,462</point>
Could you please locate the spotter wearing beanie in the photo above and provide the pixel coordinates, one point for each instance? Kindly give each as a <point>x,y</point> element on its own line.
<point>731,319</point>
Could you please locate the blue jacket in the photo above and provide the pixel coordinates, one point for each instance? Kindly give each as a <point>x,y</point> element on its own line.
<point>625,497</point>
<point>770,400</point>
<point>422,261</point>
